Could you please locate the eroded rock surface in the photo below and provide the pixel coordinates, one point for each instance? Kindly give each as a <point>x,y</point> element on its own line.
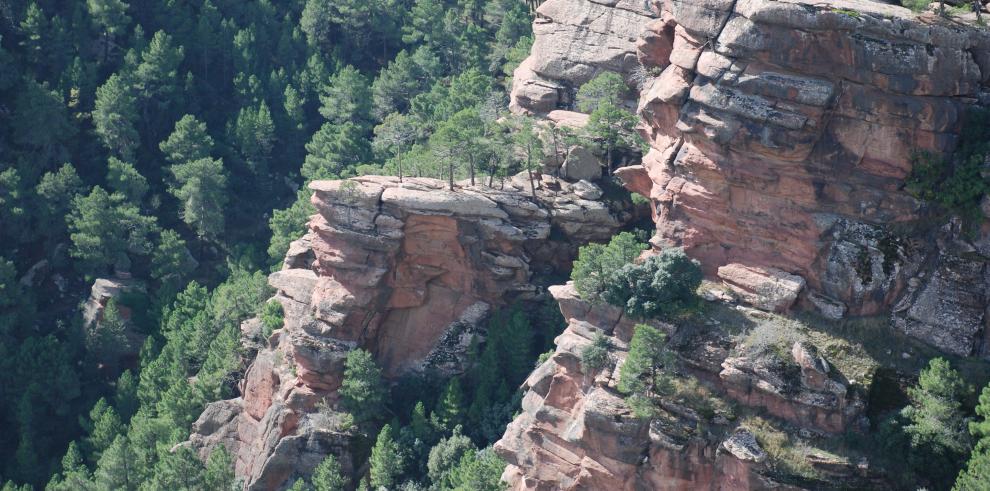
<point>781,136</point>
<point>408,271</point>
<point>577,432</point>
<point>574,41</point>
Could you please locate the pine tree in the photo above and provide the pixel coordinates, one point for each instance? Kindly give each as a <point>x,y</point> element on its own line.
<point>188,142</point>
<point>123,178</point>
<point>75,475</point>
<point>645,368</point>
<point>609,121</point>
<point>35,30</point>
<point>976,475</point>
<point>445,456</point>
<point>328,476</point>
<point>171,261</point>
<point>334,151</point>
<point>449,408</point>
<point>529,144</point>
<point>106,228</point>
<point>937,425</point>
<point>125,398</point>
<point>104,427</point>
<point>115,116</point>
<point>347,98</point>
<point>180,470</point>
<point>155,78</point>
<point>386,460</point>
<point>219,473</point>
<point>362,391</point>
<point>201,187</point>
<point>110,16</point>
<point>57,190</point>
<point>116,468</point>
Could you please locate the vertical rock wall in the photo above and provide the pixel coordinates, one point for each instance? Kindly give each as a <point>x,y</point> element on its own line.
<point>781,135</point>
<point>408,271</point>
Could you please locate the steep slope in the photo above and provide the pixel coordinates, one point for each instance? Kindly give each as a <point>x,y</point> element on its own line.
<point>406,271</point>
<point>781,135</point>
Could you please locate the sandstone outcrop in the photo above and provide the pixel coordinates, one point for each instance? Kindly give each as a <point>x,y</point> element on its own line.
<point>575,40</point>
<point>577,432</point>
<point>407,271</point>
<point>781,136</point>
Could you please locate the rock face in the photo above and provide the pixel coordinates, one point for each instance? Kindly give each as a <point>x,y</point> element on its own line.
<point>781,135</point>
<point>577,432</point>
<point>576,40</point>
<point>407,271</point>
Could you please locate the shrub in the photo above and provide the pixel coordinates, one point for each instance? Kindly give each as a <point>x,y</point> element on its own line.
<point>776,337</point>
<point>597,264</point>
<point>916,5</point>
<point>663,284</point>
<point>957,184</point>
<point>596,355</point>
<point>785,453</point>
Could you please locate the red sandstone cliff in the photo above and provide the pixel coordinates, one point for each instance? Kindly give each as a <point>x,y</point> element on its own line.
<point>781,134</point>
<point>405,270</point>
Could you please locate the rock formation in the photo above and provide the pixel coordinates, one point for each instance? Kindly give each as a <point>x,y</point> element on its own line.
<point>577,432</point>
<point>781,136</point>
<point>405,270</point>
<point>576,40</point>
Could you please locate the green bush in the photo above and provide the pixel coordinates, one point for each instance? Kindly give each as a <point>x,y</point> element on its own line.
<point>916,5</point>
<point>664,284</point>
<point>957,184</point>
<point>596,265</point>
<point>596,355</point>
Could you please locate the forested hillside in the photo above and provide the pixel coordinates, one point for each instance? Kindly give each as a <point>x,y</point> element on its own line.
<point>168,143</point>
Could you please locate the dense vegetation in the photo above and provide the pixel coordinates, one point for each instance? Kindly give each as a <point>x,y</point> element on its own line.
<point>167,141</point>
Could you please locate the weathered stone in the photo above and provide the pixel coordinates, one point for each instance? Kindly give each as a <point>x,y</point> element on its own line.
<point>743,446</point>
<point>766,289</point>
<point>581,164</point>
<point>408,271</point>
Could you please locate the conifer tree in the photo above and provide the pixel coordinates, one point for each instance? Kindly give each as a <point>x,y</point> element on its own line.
<point>386,460</point>
<point>362,391</point>
<point>201,187</point>
<point>329,476</point>
<point>115,117</point>
<point>449,408</point>
<point>123,178</point>
<point>188,142</point>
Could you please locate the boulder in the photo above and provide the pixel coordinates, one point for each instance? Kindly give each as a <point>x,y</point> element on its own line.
<point>581,164</point>
<point>764,288</point>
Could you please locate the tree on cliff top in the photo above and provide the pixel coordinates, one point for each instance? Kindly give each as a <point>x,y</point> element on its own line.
<point>663,284</point>
<point>609,123</point>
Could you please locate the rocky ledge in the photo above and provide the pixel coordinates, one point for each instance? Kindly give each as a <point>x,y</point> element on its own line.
<point>781,135</point>
<point>577,432</point>
<point>406,270</point>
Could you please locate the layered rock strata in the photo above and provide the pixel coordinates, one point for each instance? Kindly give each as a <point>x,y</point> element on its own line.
<point>782,133</point>
<point>576,430</point>
<point>574,41</point>
<point>405,270</point>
